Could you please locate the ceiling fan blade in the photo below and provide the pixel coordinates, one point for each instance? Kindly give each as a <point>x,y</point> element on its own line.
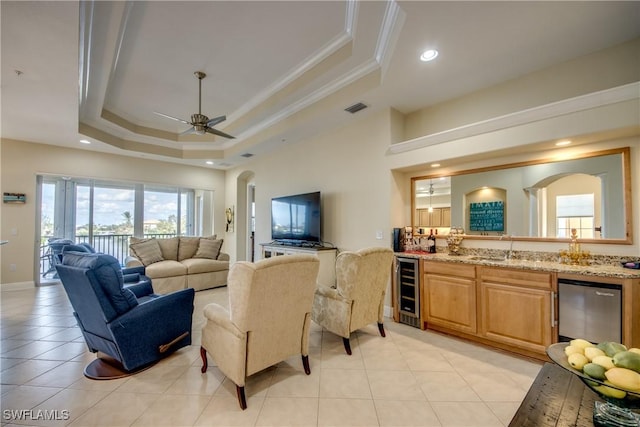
<point>188,131</point>
<point>219,133</point>
<point>216,120</point>
<point>172,118</point>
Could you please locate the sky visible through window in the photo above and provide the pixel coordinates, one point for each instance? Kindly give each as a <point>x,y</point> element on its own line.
<point>111,203</point>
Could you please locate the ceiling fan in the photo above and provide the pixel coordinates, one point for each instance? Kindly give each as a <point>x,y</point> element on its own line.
<point>200,124</point>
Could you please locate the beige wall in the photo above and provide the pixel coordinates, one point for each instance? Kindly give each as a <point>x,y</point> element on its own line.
<point>347,165</point>
<point>599,71</point>
<point>22,161</point>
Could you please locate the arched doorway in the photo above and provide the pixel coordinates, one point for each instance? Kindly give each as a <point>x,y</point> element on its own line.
<point>245,216</point>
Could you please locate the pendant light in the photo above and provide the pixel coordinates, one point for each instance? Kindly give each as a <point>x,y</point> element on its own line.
<point>430,195</point>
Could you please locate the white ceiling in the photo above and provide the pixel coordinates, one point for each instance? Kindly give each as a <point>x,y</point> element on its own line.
<point>279,70</point>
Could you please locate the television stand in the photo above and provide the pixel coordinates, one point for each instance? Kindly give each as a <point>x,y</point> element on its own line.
<point>327,257</point>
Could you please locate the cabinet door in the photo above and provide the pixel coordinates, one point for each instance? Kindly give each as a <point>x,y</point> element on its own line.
<point>435,218</point>
<point>516,316</point>
<point>423,218</point>
<point>446,217</point>
<point>450,302</point>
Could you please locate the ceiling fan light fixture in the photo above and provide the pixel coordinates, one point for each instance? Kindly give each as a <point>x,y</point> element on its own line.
<point>200,124</point>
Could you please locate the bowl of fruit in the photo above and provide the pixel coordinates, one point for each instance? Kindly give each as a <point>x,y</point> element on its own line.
<point>612,371</point>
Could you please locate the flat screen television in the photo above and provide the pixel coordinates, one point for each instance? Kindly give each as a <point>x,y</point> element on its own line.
<point>296,219</point>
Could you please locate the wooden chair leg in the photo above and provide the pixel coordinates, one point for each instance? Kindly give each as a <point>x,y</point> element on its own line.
<point>203,355</point>
<point>305,363</point>
<point>381,329</point>
<point>241,399</point>
<point>347,346</point>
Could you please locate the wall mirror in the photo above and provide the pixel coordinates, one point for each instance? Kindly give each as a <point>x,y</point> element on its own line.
<point>536,200</point>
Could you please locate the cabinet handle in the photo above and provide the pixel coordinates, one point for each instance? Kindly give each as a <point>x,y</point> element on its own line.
<point>553,309</point>
<point>605,294</point>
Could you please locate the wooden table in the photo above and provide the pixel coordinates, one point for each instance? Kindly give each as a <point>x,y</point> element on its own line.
<point>556,398</point>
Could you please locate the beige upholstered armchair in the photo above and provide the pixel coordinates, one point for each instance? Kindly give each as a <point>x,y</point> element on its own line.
<point>268,317</point>
<point>357,299</point>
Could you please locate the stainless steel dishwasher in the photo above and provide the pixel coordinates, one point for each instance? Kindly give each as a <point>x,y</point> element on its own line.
<point>589,310</point>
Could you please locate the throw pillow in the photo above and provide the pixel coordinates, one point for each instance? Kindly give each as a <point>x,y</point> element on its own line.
<point>169,248</point>
<point>147,251</point>
<point>134,239</point>
<point>209,249</point>
<point>187,247</point>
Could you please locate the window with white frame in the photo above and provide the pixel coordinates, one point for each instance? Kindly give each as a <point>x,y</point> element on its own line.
<point>106,214</point>
<point>575,211</point>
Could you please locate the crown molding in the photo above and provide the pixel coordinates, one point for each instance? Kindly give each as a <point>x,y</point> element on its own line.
<point>602,98</point>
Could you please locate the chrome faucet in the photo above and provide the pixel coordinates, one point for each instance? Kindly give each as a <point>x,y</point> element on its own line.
<point>509,254</point>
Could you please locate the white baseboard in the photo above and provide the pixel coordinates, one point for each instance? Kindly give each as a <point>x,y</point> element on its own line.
<point>388,311</point>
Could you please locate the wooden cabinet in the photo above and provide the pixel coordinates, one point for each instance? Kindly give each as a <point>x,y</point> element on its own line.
<point>501,307</point>
<point>440,217</point>
<point>515,307</point>
<point>449,296</point>
<point>508,307</point>
<point>446,217</point>
<point>327,257</point>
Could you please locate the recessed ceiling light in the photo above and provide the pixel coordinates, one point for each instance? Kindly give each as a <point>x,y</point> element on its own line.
<point>435,165</point>
<point>85,141</point>
<point>563,143</point>
<point>209,162</point>
<point>429,55</point>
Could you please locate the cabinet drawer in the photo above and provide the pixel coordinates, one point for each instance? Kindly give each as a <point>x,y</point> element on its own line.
<point>531,279</point>
<point>449,269</point>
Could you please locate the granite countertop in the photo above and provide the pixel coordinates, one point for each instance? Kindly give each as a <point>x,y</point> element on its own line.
<point>610,270</point>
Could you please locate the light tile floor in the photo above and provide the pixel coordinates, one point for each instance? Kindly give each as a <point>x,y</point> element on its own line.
<point>409,378</point>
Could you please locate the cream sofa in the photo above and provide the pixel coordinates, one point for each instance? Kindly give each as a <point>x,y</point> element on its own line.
<point>180,262</point>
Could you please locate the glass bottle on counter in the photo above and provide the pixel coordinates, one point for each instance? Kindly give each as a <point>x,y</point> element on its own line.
<point>431,242</point>
<point>435,240</point>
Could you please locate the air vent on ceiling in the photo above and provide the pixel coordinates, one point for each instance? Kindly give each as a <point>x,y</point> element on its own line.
<point>355,108</point>
<point>247,155</point>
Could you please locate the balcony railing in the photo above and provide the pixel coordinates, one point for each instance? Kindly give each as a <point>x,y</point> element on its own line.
<point>116,245</point>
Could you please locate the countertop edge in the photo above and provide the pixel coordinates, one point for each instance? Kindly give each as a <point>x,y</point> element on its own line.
<point>615,271</point>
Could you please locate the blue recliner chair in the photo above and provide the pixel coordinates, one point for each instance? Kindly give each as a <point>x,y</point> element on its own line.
<point>131,275</point>
<point>130,328</point>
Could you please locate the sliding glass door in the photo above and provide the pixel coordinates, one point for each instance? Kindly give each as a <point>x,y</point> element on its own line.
<point>106,214</point>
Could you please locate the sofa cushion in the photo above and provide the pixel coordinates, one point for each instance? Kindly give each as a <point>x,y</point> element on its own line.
<point>204,265</point>
<point>169,248</point>
<point>166,268</point>
<point>134,239</point>
<point>147,251</point>
<point>208,248</point>
<point>189,246</point>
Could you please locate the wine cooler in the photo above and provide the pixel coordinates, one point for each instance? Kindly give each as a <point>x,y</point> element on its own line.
<point>407,281</point>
